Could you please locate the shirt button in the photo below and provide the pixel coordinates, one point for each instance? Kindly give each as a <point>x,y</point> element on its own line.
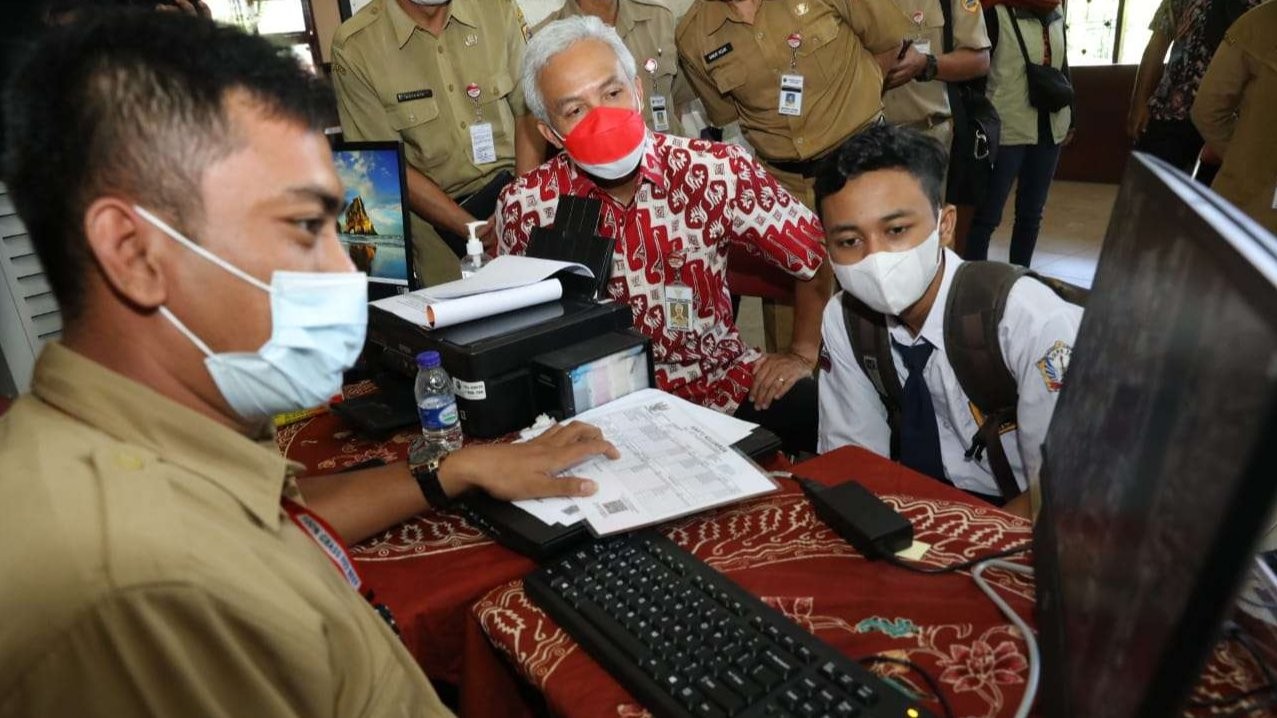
<point>760,35</point>
<point>412,118</point>
<point>449,88</point>
<point>441,49</point>
<point>463,124</point>
<point>798,141</point>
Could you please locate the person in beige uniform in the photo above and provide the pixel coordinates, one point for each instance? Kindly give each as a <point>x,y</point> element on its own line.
<point>1234,112</point>
<point>647,29</point>
<point>442,77</point>
<point>160,556</point>
<point>918,98</point>
<point>800,76</point>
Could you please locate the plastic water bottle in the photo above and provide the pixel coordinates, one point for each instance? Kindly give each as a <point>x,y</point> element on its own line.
<point>437,405</point>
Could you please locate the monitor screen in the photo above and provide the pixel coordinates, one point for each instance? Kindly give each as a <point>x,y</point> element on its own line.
<point>1159,465</point>
<point>373,225</point>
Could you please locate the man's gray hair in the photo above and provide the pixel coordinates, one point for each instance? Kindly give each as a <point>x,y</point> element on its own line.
<point>559,36</point>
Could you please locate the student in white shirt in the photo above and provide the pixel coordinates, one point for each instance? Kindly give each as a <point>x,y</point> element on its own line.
<point>888,236</point>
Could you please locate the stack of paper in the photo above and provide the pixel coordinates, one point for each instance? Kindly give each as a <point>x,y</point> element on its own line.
<point>505,284</point>
<point>676,459</point>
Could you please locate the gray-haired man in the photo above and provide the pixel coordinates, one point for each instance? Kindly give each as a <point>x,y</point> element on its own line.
<point>673,205</point>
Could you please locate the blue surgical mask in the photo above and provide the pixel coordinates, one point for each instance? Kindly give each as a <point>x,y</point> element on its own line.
<point>318,323</point>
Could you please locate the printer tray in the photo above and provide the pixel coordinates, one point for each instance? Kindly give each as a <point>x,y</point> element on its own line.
<point>524,533</point>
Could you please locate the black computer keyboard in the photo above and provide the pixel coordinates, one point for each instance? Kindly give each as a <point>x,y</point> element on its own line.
<point>686,641</point>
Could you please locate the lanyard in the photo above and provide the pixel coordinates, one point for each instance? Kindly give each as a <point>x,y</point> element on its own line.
<point>322,534</point>
<point>314,526</point>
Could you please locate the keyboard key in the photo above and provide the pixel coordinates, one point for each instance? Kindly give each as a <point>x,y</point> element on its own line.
<point>688,696</point>
<point>845,709</point>
<point>742,685</point>
<point>807,709</point>
<point>866,695</point>
<point>705,709</point>
<point>765,676</point>
<point>721,694</point>
<point>776,662</point>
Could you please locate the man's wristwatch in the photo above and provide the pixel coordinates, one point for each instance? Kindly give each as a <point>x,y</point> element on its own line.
<point>424,463</point>
<point>929,72</point>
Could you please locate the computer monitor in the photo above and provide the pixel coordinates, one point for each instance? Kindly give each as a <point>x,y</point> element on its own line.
<point>1161,459</point>
<point>373,226</point>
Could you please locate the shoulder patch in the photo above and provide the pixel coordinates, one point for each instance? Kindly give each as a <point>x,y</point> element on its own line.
<point>1054,365</point>
<point>971,6</point>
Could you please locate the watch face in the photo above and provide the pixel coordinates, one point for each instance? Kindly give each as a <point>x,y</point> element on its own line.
<point>419,452</point>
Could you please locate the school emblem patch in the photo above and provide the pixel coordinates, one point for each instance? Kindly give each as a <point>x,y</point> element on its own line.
<point>971,6</point>
<point>1054,365</point>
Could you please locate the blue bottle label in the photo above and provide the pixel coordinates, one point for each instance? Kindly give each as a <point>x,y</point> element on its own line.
<point>443,417</point>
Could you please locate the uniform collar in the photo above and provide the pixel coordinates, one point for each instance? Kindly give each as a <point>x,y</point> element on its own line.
<point>253,473</point>
<point>627,14</point>
<point>460,10</point>
<point>933,325</point>
<point>717,13</point>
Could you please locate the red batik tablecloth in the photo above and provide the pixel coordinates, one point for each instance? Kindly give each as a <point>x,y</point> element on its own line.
<point>439,575</point>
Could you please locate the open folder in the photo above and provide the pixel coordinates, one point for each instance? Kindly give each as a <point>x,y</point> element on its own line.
<point>507,283</point>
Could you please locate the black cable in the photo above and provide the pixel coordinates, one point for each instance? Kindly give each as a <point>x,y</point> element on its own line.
<point>895,560</point>
<point>932,684</point>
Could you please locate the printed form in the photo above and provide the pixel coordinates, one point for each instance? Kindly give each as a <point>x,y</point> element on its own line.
<point>672,464</point>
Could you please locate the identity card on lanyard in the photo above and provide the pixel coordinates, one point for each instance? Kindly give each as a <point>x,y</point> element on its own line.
<point>660,108</point>
<point>791,83</point>
<point>483,147</point>
<point>679,298</point>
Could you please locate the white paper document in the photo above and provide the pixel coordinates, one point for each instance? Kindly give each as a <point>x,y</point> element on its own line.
<point>505,272</point>
<point>423,309</point>
<point>672,464</point>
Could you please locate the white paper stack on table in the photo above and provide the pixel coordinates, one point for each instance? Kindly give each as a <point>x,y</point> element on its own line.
<point>676,459</point>
<point>505,284</point>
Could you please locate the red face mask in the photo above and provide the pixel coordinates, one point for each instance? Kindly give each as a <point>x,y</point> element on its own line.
<point>608,143</point>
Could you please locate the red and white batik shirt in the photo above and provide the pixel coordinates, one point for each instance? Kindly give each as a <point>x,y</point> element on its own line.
<point>694,199</point>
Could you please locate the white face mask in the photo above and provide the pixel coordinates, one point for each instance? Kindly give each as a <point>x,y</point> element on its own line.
<point>318,323</point>
<point>891,282</point>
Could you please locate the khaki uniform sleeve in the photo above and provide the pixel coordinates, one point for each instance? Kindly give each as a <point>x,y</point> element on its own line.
<point>968,26</point>
<point>516,44</point>
<point>880,24</point>
<point>721,110</point>
<point>362,117</point>
<point>1220,94</point>
<point>174,650</point>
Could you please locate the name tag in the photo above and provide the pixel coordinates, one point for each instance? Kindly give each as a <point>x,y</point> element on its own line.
<point>923,46</point>
<point>482,146</point>
<point>414,95</point>
<point>791,95</point>
<point>717,53</point>
<point>660,115</point>
<point>678,307</point>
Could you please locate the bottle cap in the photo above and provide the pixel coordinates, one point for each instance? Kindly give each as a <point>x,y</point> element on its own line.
<point>428,360</point>
<point>473,245</point>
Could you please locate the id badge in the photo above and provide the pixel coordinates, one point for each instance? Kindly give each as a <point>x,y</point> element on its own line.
<point>678,307</point>
<point>482,146</point>
<point>660,115</point>
<point>791,95</point>
<point>923,46</point>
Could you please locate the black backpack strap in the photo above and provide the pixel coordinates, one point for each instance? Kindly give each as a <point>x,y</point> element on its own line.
<point>977,300</point>
<point>871,345</point>
<point>946,9</point>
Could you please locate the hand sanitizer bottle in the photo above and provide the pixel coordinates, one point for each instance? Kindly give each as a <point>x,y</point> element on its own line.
<point>475,259</point>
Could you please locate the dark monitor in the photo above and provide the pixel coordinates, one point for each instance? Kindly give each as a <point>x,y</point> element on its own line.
<point>1160,464</point>
<point>373,226</point>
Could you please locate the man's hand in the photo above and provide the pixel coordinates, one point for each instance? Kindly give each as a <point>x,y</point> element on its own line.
<point>1137,121</point>
<point>906,69</point>
<point>775,375</point>
<point>528,471</point>
<point>488,235</point>
<point>1020,506</point>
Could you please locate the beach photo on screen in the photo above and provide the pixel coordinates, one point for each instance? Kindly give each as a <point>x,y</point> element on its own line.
<point>371,227</point>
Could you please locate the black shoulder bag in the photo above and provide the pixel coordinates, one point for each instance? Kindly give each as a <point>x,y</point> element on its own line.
<point>1049,88</point>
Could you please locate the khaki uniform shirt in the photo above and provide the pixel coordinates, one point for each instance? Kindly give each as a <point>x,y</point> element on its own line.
<point>647,29</point>
<point>1009,91</point>
<point>925,105</point>
<point>735,68</point>
<point>149,570</point>
<point>395,81</point>
<point>1234,112</point>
